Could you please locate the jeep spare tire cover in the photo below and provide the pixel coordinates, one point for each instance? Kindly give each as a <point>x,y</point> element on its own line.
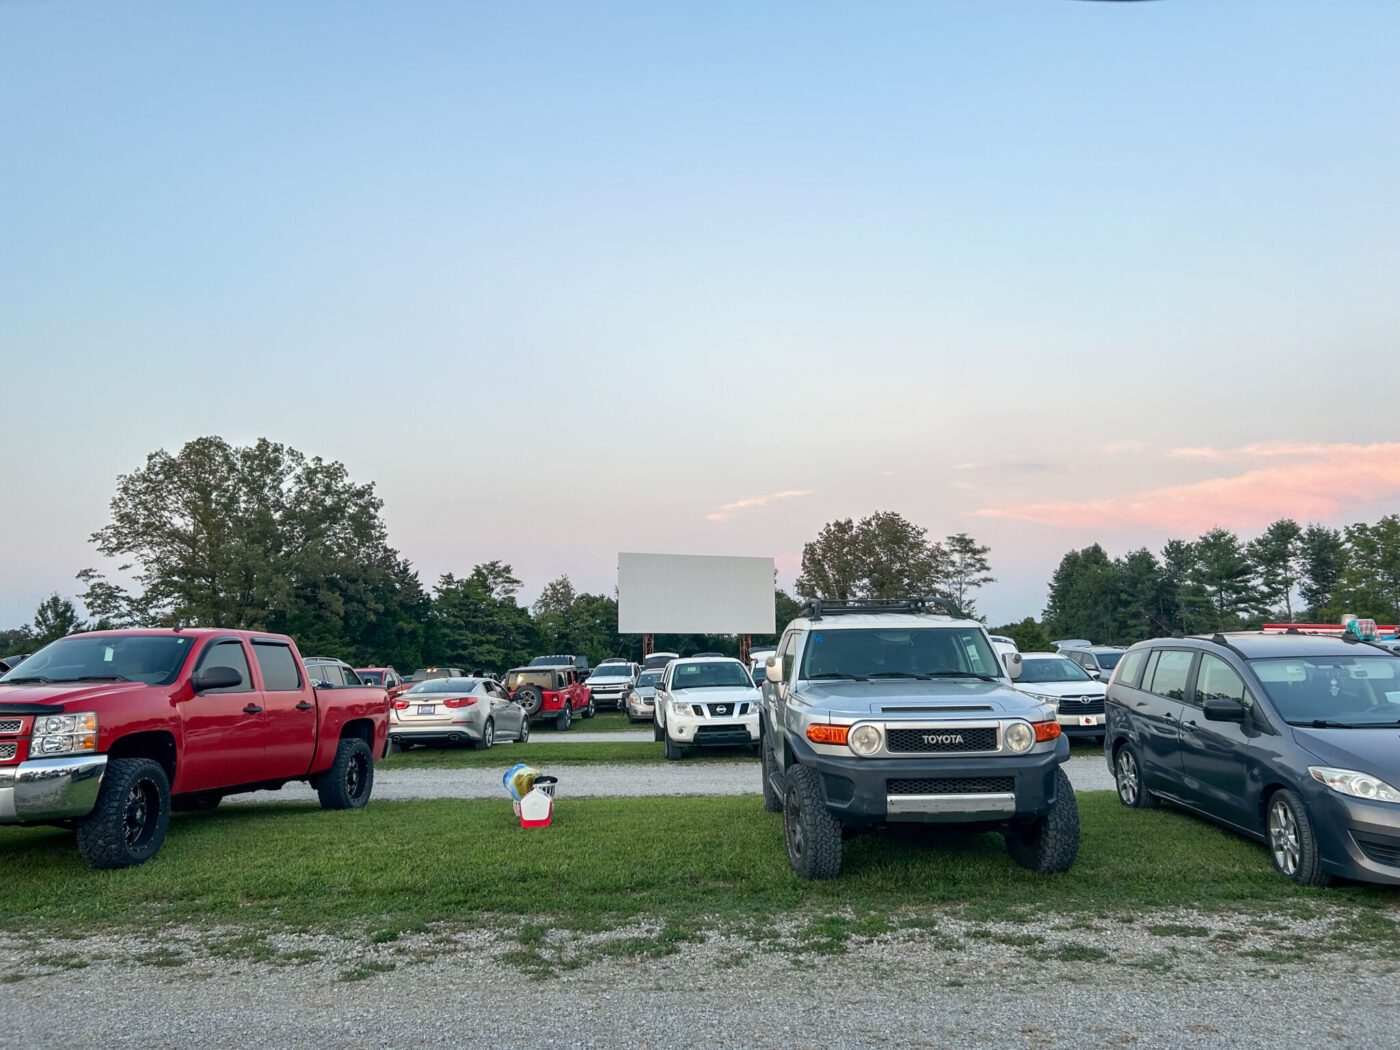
<point>530,698</point>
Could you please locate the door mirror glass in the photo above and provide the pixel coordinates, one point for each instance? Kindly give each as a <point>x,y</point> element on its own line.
<point>1223,710</point>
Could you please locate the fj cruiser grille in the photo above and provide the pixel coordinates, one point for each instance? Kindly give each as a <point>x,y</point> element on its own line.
<point>8,751</point>
<point>950,786</point>
<point>925,741</point>
<point>11,725</point>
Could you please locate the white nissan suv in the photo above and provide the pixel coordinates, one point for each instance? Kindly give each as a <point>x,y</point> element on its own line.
<point>706,701</point>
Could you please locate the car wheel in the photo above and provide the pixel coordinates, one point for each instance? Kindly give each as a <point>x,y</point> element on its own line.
<point>591,709</point>
<point>128,824</point>
<point>656,731</point>
<point>674,752</point>
<point>1292,842</point>
<point>524,735</point>
<point>565,719</point>
<point>1051,844</point>
<point>347,784</point>
<point>1127,775</point>
<point>813,835</point>
<point>488,736</point>
<point>772,801</point>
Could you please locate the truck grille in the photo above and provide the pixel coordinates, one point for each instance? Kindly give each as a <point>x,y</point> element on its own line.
<point>8,751</point>
<point>11,725</point>
<point>1081,705</point>
<point>945,741</point>
<point>951,786</point>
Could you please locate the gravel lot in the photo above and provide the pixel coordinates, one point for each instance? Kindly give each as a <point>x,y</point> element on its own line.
<point>673,778</point>
<point>956,986</point>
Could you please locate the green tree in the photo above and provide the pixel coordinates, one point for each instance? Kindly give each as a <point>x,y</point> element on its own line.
<point>883,556</point>
<point>1190,605</point>
<point>1223,572</point>
<point>15,640</point>
<point>1028,634</point>
<point>557,596</point>
<point>1275,557</point>
<point>1083,599</point>
<point>1145,598</point>
<point>1323,554</point>
<point>1370,583</point>
<point>477,628</point>
<point>55,618</point>
<point>967,570</point>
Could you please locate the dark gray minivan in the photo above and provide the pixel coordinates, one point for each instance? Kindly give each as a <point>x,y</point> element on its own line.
<point>1291,739</point>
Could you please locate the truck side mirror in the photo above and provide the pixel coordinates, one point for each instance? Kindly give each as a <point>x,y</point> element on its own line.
<point>216,678</point>
<point>1013,665</point>
<point>773,669</point>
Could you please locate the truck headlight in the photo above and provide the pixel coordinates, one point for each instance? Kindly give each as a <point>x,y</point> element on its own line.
<point>64,735</point>
<point>680,709</point>
<point>1019,736</point>
<point>1357,785</point>
<point>864,740</point>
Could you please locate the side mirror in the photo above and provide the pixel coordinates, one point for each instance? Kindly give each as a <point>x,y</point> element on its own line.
<point>772,669</point>
<point>1095,675</point>
<point>216,678</point>
<point>1221,710</point>
<point>1013,665</point>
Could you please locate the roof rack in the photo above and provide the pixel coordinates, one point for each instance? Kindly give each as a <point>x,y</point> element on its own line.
<point>819,607</point>
<point>1219,639</point>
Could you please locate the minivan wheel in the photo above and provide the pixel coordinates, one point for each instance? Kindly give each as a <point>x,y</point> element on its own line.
<point>1127,774</point>
<point>1292,843</point>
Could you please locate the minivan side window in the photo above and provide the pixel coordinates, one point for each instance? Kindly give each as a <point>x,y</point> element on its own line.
<point>1217,680</point>
<point>1127,671</point>
<point>1170,673</point>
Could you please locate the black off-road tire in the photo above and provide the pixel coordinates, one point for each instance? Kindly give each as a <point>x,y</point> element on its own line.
<point>530,700</point>
<point>196,803</point>
<point>772,801</point>
<point>128,824</point>
<point>1051,844</point>
<point>564,719</point>
<point>674,752</point>
<point>488,736</point>
<point>349,781</point>
<point>813,835</point>
<point>1309,858</point>
<point>1128,778</point>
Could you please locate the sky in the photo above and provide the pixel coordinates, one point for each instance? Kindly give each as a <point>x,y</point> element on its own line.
<point>570,279</point>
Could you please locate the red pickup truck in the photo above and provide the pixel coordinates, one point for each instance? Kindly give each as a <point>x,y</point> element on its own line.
<point>107,732</point>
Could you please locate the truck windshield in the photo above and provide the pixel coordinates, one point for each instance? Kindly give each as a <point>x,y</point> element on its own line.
<point>877,652</point>
<point>1353,691</point>
<point>612,671</point>
<point>1051,669</point>
<point>153,659</point>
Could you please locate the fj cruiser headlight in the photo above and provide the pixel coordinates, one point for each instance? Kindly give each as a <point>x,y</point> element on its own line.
<point>64,735</point>
<point>1357,785</point>
<point>864,740</point>
<point>1019,736</point>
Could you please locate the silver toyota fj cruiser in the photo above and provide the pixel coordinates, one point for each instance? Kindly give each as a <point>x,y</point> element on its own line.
<point>884,711</point>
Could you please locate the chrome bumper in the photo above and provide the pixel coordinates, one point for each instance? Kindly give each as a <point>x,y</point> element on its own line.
<point>951,807</point>
<point>50,788</point>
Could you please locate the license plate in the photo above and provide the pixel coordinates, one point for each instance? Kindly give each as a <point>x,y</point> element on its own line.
<point>426,709</point>
<point>1088,720</point>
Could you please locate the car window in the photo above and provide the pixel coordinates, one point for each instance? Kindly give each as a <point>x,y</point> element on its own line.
<point>278,667</point>
<point>1170,672</point>
<point>1108,661</point>
<point>788,652</point>
<point>227,654</point>
<point>1126,673</point>
<point>1051,669</point>
<point>709,675</point>
<point>1217,680</point>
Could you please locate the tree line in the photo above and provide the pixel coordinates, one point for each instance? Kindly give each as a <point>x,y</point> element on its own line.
<point>1289,573</point>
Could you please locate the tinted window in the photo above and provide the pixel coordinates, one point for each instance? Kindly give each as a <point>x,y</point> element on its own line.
<point>1170,673</point>
<point>789,650</point>
<point>1108,661</point>
<point>1127,671</point>
<point>892,651</point>
<point>278,667</point>
<point>1217,680</point>
<point>227,654</point>
<point>153,659</point>
<point>373,678</point>
<point>444,685</point>
<point>1354,690</point>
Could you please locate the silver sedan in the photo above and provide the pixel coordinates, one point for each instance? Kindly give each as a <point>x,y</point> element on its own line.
<point>457,711</point>
<point>640,699</point>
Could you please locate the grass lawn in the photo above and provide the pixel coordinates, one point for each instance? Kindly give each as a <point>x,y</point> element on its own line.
<point>602,722</point>
<point>540,750</point>
<point>683,863</point>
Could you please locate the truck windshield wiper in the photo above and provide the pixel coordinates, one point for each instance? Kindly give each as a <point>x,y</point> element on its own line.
<point>98,678</point>
<point>836,674</point>
<point>901,674</point>
<point>959,674</point>
<point>27,679</point>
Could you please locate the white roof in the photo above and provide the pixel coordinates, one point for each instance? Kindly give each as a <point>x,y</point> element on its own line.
<point>848,621</point>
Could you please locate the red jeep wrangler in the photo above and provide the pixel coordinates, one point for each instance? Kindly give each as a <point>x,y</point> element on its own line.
<point>550,692</point>
<point>107,732</point>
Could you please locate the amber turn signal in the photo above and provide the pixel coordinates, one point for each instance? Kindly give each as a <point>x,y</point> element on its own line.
<point>1046,731</point>
<point>828,734</point>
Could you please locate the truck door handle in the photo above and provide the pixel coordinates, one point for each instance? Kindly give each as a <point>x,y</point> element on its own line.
<point>252,709</point>
<point>304,706</point>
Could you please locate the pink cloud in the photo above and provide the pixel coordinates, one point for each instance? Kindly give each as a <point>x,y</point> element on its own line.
<point>1324,481</point>
<point>726,510</point>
